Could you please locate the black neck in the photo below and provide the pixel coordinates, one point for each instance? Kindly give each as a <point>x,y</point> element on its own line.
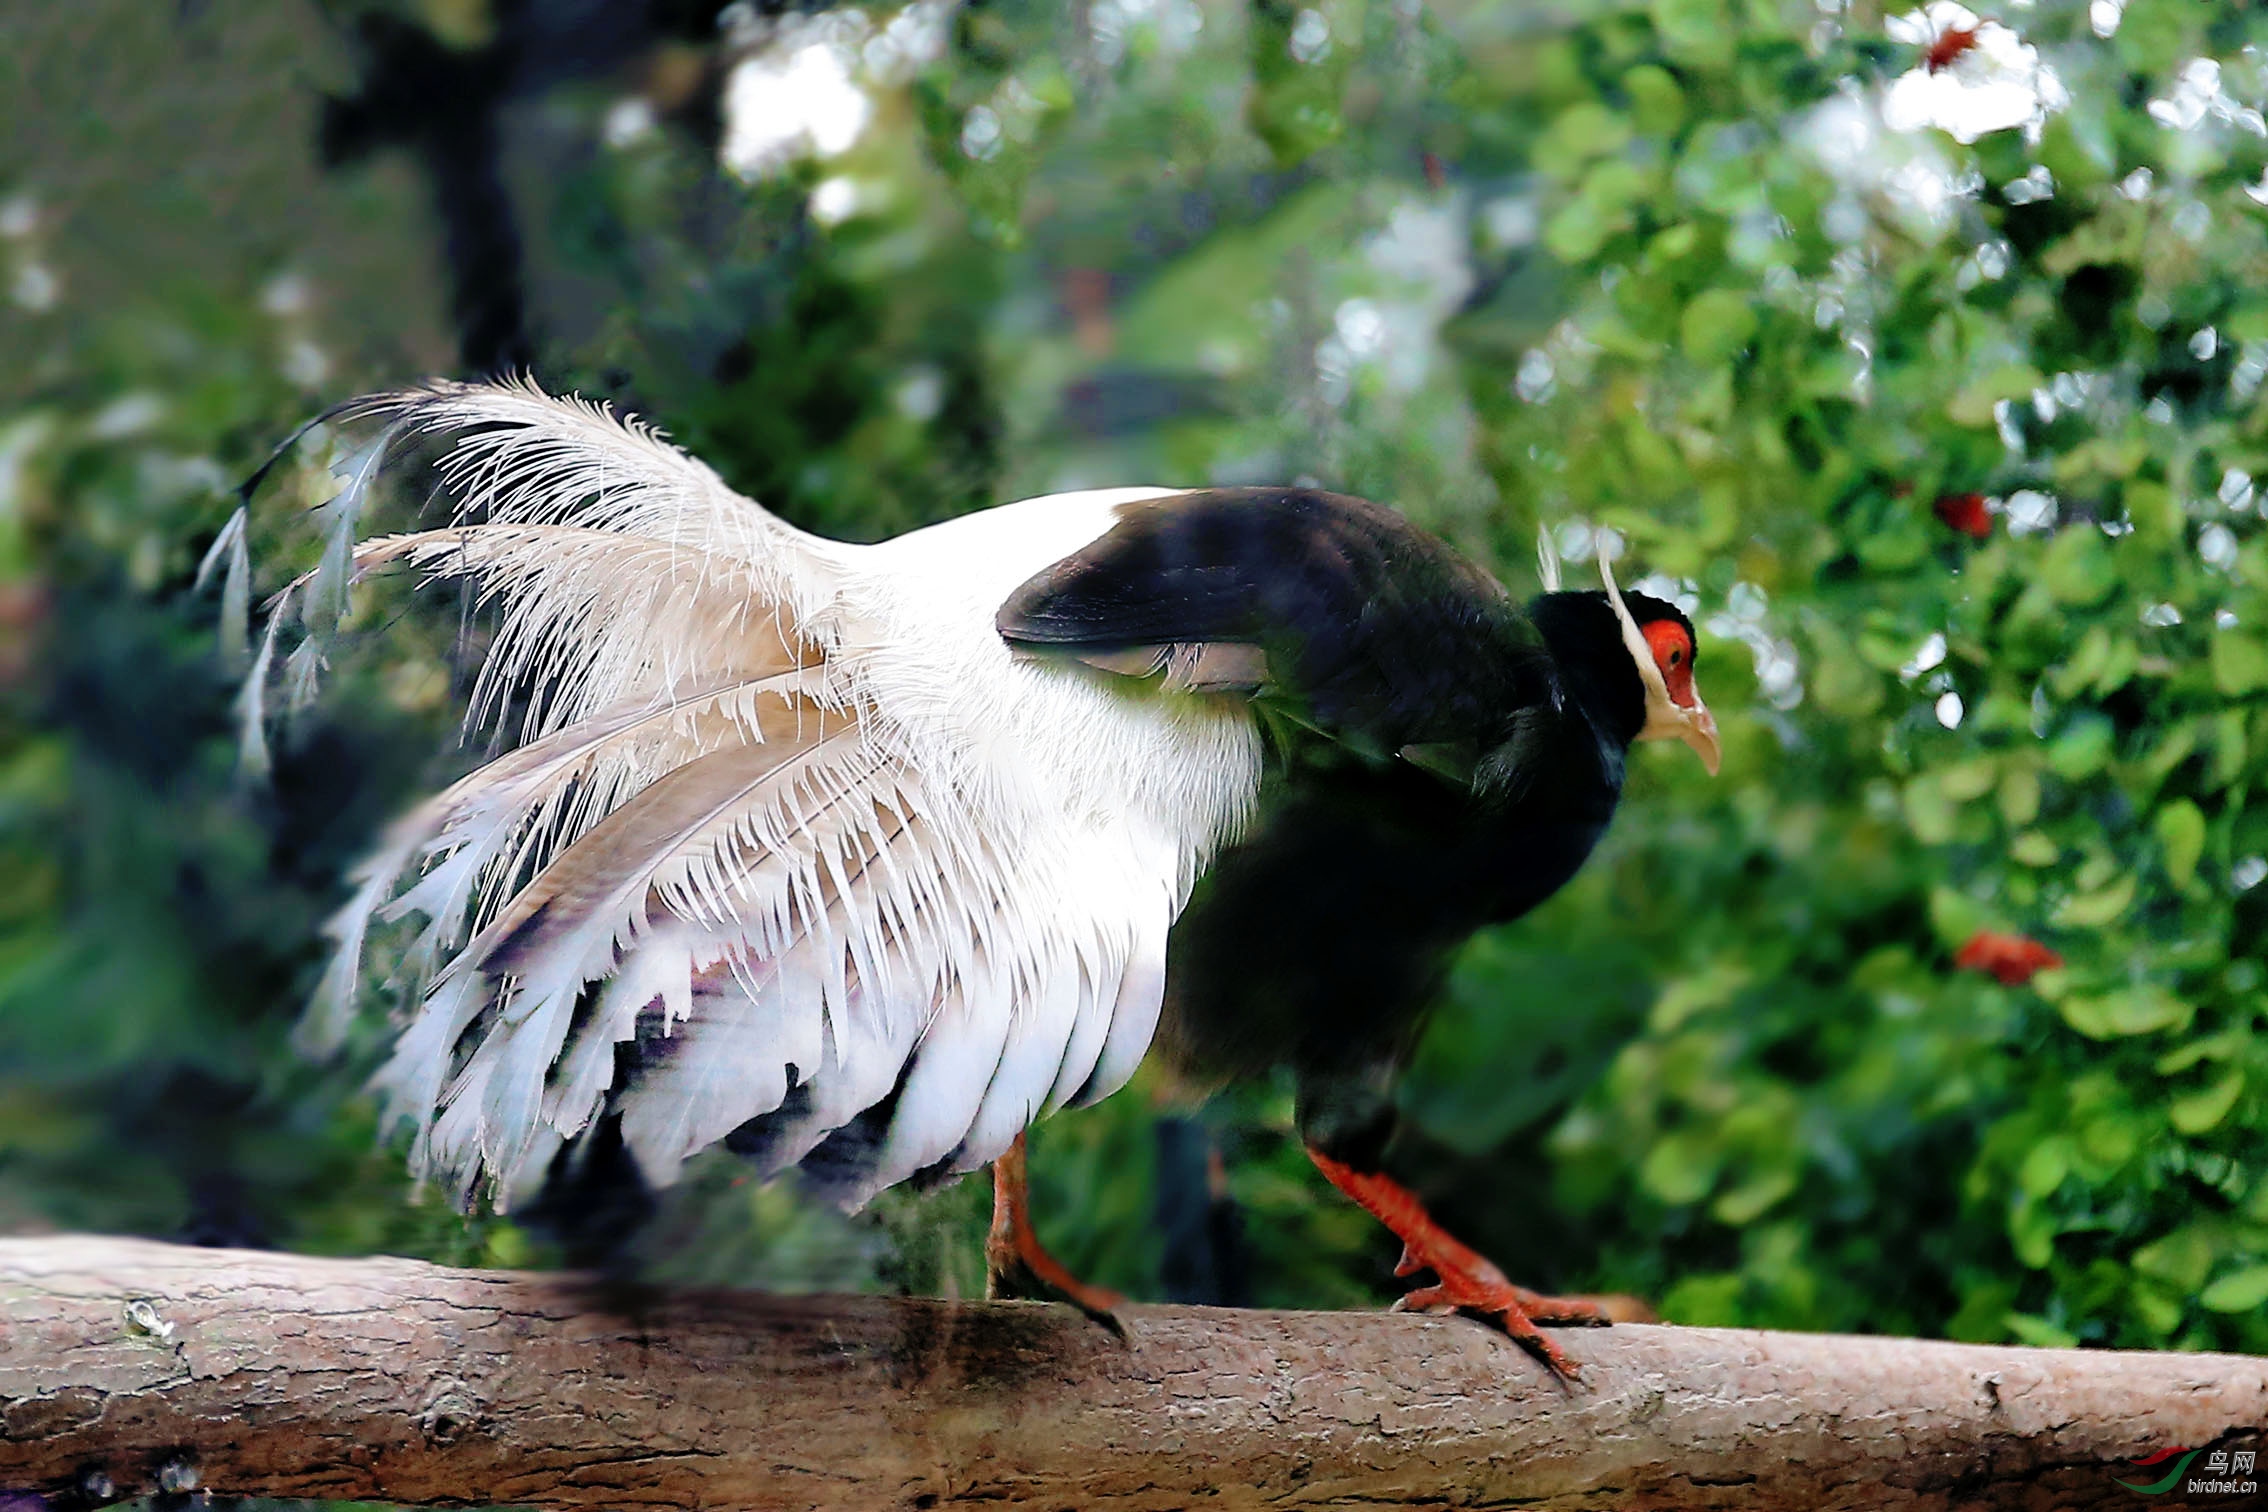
<point>1584,636</point>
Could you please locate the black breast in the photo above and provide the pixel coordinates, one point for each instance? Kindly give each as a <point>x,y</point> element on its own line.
<point>1319,941</point>
<point>1383,663</point>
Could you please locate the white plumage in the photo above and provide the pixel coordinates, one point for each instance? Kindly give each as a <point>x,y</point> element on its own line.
<point>863,884</point>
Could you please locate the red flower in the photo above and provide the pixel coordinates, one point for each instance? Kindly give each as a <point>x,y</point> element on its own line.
<point>1947,46</point>
<point>1966,513</point>
<point>2013,958</point>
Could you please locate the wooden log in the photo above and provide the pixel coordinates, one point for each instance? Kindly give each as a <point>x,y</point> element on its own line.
<point>126,1365</point>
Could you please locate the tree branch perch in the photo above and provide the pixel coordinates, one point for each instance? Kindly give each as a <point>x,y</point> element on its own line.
<point>278,1375</point>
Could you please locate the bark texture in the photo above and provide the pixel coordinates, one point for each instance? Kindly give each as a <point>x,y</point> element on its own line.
<point>125,1365</point>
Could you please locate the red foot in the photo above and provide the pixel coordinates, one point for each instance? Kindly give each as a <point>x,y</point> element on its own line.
<point>1465,1280</point>
<point>1013,1252</point>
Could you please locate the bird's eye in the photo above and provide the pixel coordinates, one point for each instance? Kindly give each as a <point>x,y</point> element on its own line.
<point>1677,654</point>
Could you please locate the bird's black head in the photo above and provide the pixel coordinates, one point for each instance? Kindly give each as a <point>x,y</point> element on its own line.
<point>1627,658</point>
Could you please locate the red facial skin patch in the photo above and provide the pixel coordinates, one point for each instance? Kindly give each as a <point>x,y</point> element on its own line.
<point>1673,656</point>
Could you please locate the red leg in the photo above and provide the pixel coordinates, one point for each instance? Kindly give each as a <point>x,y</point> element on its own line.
<point>1013,1249</point>
<point>1465,1280</point>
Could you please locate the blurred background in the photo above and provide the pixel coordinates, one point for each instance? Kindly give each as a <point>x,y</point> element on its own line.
<point>1920,355</point>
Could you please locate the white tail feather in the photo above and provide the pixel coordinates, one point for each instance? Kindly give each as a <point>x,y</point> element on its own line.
<point>787,819</point>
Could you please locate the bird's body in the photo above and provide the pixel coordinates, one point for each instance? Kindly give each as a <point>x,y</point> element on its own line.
<point>1319,943</point>
<point>1013,840</point>
<point>858,859</point>
<point>1447,762</point>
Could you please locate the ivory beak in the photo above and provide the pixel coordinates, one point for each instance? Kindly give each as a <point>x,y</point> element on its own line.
<point>1665,720</point>
<point>1700,732</point>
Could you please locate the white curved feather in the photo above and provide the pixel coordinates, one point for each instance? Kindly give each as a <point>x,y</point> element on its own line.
<point>1132,1017</point>
<point>512,814</point>
<point>1030,1060</point>
<point>791,820</point>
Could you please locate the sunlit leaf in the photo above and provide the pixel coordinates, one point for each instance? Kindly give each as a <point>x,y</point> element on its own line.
<point>2181,831</point>
<point>2239,1291</point>
<point>2145,1009</point>
<point>2204,1110</point>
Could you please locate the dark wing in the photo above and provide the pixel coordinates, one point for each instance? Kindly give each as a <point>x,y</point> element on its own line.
<point>1334,608</point>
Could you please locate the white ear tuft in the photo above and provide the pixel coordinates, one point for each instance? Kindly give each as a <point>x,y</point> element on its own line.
<point>1614,597</point>
<point>1631,638</point>
<point>1547,559</point>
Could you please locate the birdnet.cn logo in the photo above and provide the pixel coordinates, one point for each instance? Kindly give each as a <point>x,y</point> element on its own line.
<point>2224,1473</point>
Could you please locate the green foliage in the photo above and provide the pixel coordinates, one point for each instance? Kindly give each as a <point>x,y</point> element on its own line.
<point>1768,376</point>
<point>1657,270</point>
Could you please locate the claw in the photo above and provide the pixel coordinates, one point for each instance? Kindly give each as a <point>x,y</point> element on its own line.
<point>1514,1309</point>
<point>1464,1280</point>
<point>1017,1264</point>
<point>1508,1315</point>
<point>1578,1312</point>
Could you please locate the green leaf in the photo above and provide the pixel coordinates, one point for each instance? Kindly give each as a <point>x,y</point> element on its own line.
<point>2078,570</point>
<point>2230,748</point>
<point>1745,1203</point>
<point>1585,131</point>
<point>2034,848</point>
<point>2032,1230</point>
<point>1843,684</point>
<point>2160,1310</point>
<point>2085,664</point>
<point>2040,1333</point>
<point>1706,1301</point>
<point>2240,1291</point>
<point>1711,987</point>
<point>1955,916</point>
<point>2226,1045</point>
<point>2181,833</point>
<point>2156,513</point>
<point>1694,31</point>
<point>1673,245</point>
<point>2106,1143</point>
<point>2240,663</point>
<point>2093,910</point>
<point>2182,1259</point>
<point>1930,810</point>
<point>1716,325</point>
<point>1655,99</point>
<point>1982,1318</point>
<point>2202,1111</point>
<point>2155,35</point>
<point>1681,1168</point>
<point>1207,296</point>
<point>2144,1009</point>
<point>1614,186</point>
<point>2044,1167</point>
<point>2083,749</point>
<point>1575,234</point>
<point>2020,795</point>
<point>1973,405</point>
<point>1967,781</point>
<point>2171,750</point>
